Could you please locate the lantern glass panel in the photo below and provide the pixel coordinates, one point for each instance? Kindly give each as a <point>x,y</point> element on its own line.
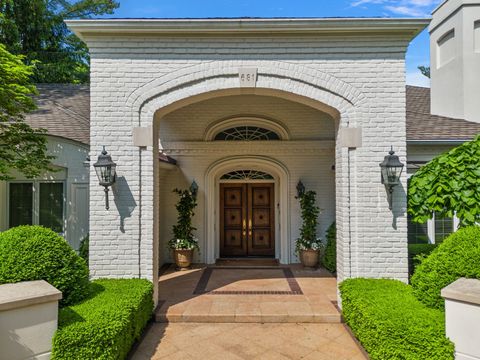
<point>106,174</point>
<point>392,175</point>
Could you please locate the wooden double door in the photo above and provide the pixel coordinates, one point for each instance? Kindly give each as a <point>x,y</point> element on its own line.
<point>247,220</point>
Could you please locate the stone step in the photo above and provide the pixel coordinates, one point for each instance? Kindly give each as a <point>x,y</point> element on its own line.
<point>243,313</point>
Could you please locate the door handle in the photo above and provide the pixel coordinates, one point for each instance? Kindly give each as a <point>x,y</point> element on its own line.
<point>249,227</point>
<point>244,233</point>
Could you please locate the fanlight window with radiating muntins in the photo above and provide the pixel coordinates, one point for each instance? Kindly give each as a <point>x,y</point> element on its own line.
<point>247,175</point>
<point>248,133</point>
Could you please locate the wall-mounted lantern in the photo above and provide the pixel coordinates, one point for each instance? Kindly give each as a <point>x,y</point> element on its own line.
<point>391,169</point>
<point>106,172</point>
<point>194,189</point>
<point>300,188</point>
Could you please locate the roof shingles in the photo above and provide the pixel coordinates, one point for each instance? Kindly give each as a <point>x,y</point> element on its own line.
<point>64,111</point>
<point>423,126</point>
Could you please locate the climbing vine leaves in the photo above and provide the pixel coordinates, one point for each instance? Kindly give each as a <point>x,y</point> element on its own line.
<point>448,185</point>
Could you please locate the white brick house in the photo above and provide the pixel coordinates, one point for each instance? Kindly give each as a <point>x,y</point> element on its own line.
<point>314,79</point>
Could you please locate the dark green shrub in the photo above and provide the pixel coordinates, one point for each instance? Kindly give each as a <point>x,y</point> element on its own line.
<point>37,253</point>
<point>391,323</point>
<point>106,325</point>
<point>83,249</point>
<point>457,256</point>
<point>330,257</point>
<point>417,252</point>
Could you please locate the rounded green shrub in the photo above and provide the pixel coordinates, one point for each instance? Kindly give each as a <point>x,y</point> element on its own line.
<point>36,253</point>
<point>458,256</point>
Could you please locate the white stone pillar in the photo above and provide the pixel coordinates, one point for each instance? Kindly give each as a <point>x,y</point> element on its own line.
<point>28,320</point>
<point>462,317</point>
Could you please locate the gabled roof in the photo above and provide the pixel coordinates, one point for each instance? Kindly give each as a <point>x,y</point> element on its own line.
<point>64,110</point>
<point>422,126</point>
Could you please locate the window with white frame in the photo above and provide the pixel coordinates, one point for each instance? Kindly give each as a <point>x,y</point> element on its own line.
<point>442,227</point>
<point>36,203</point>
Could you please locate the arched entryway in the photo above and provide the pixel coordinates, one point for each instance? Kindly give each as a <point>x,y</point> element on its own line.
<point>277,189</point>
<point>324,93</point>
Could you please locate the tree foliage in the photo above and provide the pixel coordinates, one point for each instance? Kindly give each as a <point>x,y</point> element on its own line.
<point>35,29</point>
<point>21,147</point>
<point>425,70</point>
<point>448,184</point>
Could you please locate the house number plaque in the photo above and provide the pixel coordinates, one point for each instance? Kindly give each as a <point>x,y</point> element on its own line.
<point>248,77</point>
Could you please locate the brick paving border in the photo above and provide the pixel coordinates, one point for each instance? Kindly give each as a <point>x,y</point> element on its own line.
<point>207,273</point>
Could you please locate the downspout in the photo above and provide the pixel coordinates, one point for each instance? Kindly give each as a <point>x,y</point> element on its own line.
<point>349,216</point>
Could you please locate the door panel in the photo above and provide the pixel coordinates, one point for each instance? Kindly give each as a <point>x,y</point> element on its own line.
<point>261,217</point>
<point>260,194</point>
<point>247,222</point>
<point>233,215</point>
<point>261,239</point>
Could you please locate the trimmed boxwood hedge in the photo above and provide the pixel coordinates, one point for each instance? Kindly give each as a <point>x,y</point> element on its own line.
<point>106,325</point>
<point>457,256</point>
<point>391,323</point>
<point>37,253</point>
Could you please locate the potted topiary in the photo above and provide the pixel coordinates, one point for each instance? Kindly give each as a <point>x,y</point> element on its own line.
<point>308,246</point>
<point>183,242</point>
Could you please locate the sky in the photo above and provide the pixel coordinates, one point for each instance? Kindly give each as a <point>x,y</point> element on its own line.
<point>417,54</point>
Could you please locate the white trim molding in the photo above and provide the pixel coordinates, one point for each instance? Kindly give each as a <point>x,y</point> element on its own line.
<point>291,26</point>
<point>249,147</point>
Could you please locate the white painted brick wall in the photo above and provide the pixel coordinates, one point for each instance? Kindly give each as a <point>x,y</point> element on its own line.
<point>362,78</point>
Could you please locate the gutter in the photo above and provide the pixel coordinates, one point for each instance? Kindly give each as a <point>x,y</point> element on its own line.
<point>438,142</point>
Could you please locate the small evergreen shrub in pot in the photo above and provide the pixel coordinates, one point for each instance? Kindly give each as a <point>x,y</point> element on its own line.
<point>308,245</point>
<point>36,253</point>
<point>457,256</point>
<point>184,242</point>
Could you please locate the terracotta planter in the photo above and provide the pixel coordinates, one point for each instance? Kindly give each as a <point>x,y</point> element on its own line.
<point>183,259</point>
<point>309,258</point>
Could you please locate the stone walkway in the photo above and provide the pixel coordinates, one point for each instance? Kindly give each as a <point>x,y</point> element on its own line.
<point>235,341</point>
<point>238,313</point>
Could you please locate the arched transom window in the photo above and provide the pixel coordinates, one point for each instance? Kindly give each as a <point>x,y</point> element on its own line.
<point>246,175</point>
<point>248,133</point>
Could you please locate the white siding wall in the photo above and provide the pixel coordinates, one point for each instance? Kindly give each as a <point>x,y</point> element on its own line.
<point>69,159</point>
